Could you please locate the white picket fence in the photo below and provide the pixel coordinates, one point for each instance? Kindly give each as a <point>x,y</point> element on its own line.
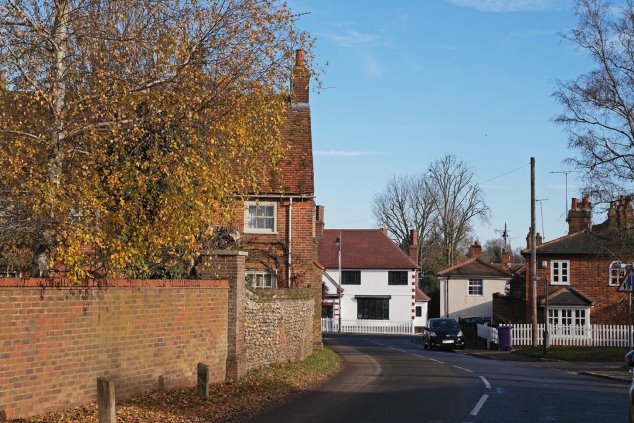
<point>382,327</point>
<point>593,335</point>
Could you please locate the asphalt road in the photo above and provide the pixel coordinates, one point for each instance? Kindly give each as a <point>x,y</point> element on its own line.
<point>395,380</point>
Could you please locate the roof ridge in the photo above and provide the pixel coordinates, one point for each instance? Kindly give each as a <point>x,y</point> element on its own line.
<point>455,266</point>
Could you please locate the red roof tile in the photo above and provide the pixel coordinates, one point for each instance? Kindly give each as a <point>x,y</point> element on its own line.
<point>362,249</point>
<point>421,296</point>
<point>475,267</point>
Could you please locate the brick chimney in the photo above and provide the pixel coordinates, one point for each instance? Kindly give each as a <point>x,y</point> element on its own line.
<point>506,260</point>
<point>579,215</point>
<point>476,249</point>
<point>621,214</point>
<point>319,221</point>
<point>538,238</point>
<point>413,245</point>
<point>300,79</point>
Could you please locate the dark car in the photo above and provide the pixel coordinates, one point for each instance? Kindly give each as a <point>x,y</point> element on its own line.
<point>629,359</point>
<point>443,333</point>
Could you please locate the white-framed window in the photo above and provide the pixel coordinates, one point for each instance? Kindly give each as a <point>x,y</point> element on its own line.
<point>260,217</point>
<point>260,279</point>
<point>560,272</point>
<point>476,287</point>
<point>617,273</point>
<point>569,317</point>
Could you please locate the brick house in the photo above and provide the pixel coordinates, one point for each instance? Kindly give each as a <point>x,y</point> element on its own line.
<point>467,289</point>
<point>378,280</point>
<point>277,223</point>
<point>582,270</point>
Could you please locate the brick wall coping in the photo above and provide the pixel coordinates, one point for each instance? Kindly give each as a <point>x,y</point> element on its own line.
<point>111,283</point>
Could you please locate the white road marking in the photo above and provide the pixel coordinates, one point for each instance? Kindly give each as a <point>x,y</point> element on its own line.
<point>479,405</point>
<point>462,368</point>
<point>486,382</point>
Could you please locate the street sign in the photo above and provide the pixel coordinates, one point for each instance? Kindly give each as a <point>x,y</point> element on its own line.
<point>627,285</point>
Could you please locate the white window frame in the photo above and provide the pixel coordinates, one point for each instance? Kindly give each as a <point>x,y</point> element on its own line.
<point>560,274</point>
<point>616,273</point>
<point>477,283</point>
<point>569,317</point>
<point>260,275</point>
<point>247,217</point>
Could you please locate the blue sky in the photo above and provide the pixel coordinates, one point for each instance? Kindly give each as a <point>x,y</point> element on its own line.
<point>406,82</point>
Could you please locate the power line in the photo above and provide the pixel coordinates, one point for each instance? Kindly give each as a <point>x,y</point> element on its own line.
<point>506,173</point>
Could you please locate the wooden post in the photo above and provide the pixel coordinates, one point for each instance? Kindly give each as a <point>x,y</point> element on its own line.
<point>202,387</point>
<point>533,280</point>
<point>106,400</point>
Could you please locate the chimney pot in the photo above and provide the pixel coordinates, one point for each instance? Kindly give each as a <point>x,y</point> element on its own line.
<point>299,57</point>
<point>476,249</point>
<point>579,218</point>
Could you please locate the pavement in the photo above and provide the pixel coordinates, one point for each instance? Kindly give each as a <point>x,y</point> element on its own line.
<point>617,371</point>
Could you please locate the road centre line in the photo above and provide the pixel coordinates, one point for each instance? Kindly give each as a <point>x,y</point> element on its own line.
<point>479,405</point>
<point>462,368</point>
<point>486,382</point>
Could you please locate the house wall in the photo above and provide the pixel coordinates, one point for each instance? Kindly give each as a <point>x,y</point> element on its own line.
<point>375,282</point>
<point>589,275</point>
<point>455,301</point>
<point>56,341</point>
<point>279,326</point>
<point>270,251</point>
<point>422,320</point>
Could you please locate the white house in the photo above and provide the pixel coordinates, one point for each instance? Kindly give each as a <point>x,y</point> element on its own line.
<point>378,280</point>
<point>466,289</point>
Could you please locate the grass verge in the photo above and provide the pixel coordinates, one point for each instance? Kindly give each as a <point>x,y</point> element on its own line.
<point>232,401</point>
<point>575,353</point>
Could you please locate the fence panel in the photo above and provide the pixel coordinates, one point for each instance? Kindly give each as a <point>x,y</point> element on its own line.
<point>382,327</point>
<point>564,335</point>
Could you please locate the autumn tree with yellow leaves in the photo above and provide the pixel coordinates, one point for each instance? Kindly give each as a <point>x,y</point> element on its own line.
<point>128,127</point>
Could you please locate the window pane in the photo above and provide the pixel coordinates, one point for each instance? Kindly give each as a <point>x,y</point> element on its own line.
<point>260,217</point>
<point>476,287</point>
<point>397,277</point>
<point>351,277</point>
<point>419,311</point>
<point>373,308</point>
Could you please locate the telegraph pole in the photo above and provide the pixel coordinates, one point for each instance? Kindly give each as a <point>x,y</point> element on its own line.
<point>533,239</point>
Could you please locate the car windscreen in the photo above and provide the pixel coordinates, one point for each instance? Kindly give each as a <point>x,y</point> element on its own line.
<point>444,324</point>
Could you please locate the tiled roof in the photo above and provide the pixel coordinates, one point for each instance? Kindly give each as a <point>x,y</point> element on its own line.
<point>475,267</point>
<point>362,249</point>
<point>587,242</point>
<point>421,296</point>
<point>294,174</point>
<point>567,296</point>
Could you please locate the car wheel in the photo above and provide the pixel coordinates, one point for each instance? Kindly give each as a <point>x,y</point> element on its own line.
<point>431,346</point>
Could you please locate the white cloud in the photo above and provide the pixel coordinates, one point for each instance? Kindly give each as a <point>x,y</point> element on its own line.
<point>339,153</point>
<point>502,6</point>
<point>351,38</point>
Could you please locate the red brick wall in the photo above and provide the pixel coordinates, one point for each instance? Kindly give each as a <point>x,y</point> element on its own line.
<point>590,275</point>
<point>56,341</point>
<point>269,251</point>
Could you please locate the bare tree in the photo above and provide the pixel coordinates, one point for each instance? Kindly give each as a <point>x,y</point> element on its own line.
<point>458,200</point>
<point>440,204</point>
<point>406,203</point>
<point>598,106</point>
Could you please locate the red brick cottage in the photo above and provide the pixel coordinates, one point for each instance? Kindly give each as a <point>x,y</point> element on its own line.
<point>583,269</point>
<point>277,223</point>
